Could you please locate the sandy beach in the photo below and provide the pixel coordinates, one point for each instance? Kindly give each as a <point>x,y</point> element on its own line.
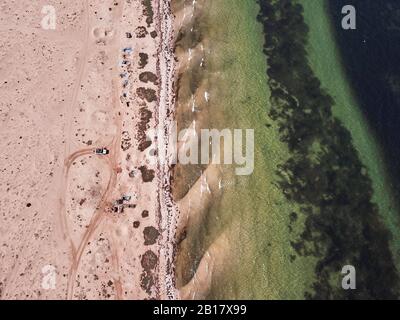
<point>86,212</point>
<point>76,224</point>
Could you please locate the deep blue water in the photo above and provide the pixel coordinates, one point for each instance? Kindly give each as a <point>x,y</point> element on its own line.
<point>371,57</point>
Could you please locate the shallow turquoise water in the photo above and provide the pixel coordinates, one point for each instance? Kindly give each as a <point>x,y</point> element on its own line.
<point>252,210</point>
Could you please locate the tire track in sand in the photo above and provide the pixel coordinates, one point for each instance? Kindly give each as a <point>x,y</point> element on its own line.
<point>100,212</point>
<point>62,212</point>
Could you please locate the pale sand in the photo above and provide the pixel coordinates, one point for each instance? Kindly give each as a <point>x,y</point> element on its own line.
<point>61,96</point>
